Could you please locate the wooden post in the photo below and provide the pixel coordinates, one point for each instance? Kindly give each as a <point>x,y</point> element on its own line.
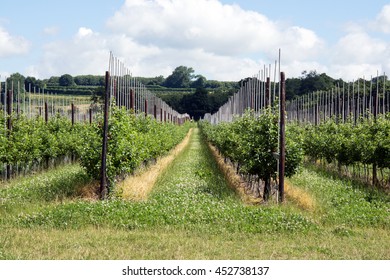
<point>47,113</point>
<point>90,115</point>
<point>9,124</point>
<point>132,99</point>
<point>146,108</point>
<point>72,113</point>
<point>267,93</point>
<point>282,149</point>
<point>374,166</point>
<point>155,111</point>
<point>103,191</point>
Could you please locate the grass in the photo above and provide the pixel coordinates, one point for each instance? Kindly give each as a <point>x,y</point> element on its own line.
<point>343,202</point>
<point>166,243</point>
<point>138,186</point>
<point>191,213</point>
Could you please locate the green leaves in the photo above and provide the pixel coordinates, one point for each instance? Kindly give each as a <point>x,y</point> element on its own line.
<point>366,142</point>
<point>251,142</point>
<point>132,141</point>
<point>32,140</point>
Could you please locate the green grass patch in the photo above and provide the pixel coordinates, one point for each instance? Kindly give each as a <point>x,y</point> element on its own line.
<point>190,195</point>
<point>345,203</point>
<point>190,214</point>
<point>25,194</point>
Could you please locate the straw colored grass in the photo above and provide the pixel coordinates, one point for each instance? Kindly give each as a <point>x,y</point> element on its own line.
<point>296,195</point>
<point>299,197</point>
<point>232,178</point>
<point>138,186</point>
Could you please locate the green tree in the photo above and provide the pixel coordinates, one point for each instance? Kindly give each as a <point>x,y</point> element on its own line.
<point>200,82</point>
<point>180,78</point>
<point>66,80</point>
<point>14,80</point>
<point>196,105</point>
<point>52,81</point>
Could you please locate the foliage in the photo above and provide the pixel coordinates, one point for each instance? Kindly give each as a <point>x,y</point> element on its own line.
<point>132,141</point>
<point>191,195</point>
<point>196,105</point>
<point>309,82</point>
<point>367,142</point>
<point>251,141</point>
<point>180,78</point>
<point>14,80</point>
<point>33,140</point>
<point>66,80</point>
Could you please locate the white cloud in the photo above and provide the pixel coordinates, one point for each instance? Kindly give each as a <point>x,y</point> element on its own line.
<point>219,41</point>
<point>223,30</point>
<point>357,54</point>
<point>84,32</point>
<point>359,48</point>
<point>382,22</point>
<point>51,30</point>
<point>12,45</point>
<point>85,53</point>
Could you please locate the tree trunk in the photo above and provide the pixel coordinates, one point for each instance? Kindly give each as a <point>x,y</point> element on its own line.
<point>267,189</point>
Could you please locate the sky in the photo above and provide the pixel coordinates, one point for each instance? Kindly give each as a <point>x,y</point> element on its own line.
<point>220,39</point>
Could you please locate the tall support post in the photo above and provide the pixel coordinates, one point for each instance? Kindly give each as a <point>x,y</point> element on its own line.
<point>72,112</point>
<point>47,113</point>
<point>155,112</point>
<point>103,190</point>
<point>146,107</point>
<point>132,99</point>
<point>90,116</point>
<point>376,98</point>
<point>9,123</point>
<point>268,92</point>
<point>282,136</point>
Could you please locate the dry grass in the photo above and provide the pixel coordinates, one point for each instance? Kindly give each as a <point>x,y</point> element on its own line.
<point>233,179</point>
<point>138,186</point>
<point>89,191</point>
<point>299,197</point>
<point>296,195</point>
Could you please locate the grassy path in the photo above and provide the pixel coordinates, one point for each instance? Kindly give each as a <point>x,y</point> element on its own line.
<point>191,214</point>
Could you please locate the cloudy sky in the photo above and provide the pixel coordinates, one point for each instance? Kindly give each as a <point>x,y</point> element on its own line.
<point>220,39</point>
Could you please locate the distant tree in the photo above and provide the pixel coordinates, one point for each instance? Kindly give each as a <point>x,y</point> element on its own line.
<point>311,82</point>
<point>293,86</point>
<point>14,80</point>
<point>89,80</point>
<point>196,104</point>
<point>200,82</point>
<point>66,80</point>
<point>30,82</point>
<point>52,81</point>
<point>180,78</point>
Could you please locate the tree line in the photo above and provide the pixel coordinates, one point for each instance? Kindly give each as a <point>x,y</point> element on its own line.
<point>183,90</point>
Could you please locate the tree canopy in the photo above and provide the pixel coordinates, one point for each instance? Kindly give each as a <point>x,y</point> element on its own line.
<point>181,77</point>
<point>66,80</point>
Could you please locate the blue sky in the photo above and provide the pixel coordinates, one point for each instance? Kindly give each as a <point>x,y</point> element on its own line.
<point>220,39</point>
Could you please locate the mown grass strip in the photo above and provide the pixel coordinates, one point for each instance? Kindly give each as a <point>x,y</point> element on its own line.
<point>138,186</point>
<point>191,195</point>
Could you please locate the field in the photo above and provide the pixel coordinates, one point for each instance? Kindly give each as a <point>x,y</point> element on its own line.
<point>191,213</point>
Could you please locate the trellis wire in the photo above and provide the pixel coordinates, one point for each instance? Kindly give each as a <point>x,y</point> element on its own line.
<point>352,100</point>
<point>256,94</point>
<point>124,88</point>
